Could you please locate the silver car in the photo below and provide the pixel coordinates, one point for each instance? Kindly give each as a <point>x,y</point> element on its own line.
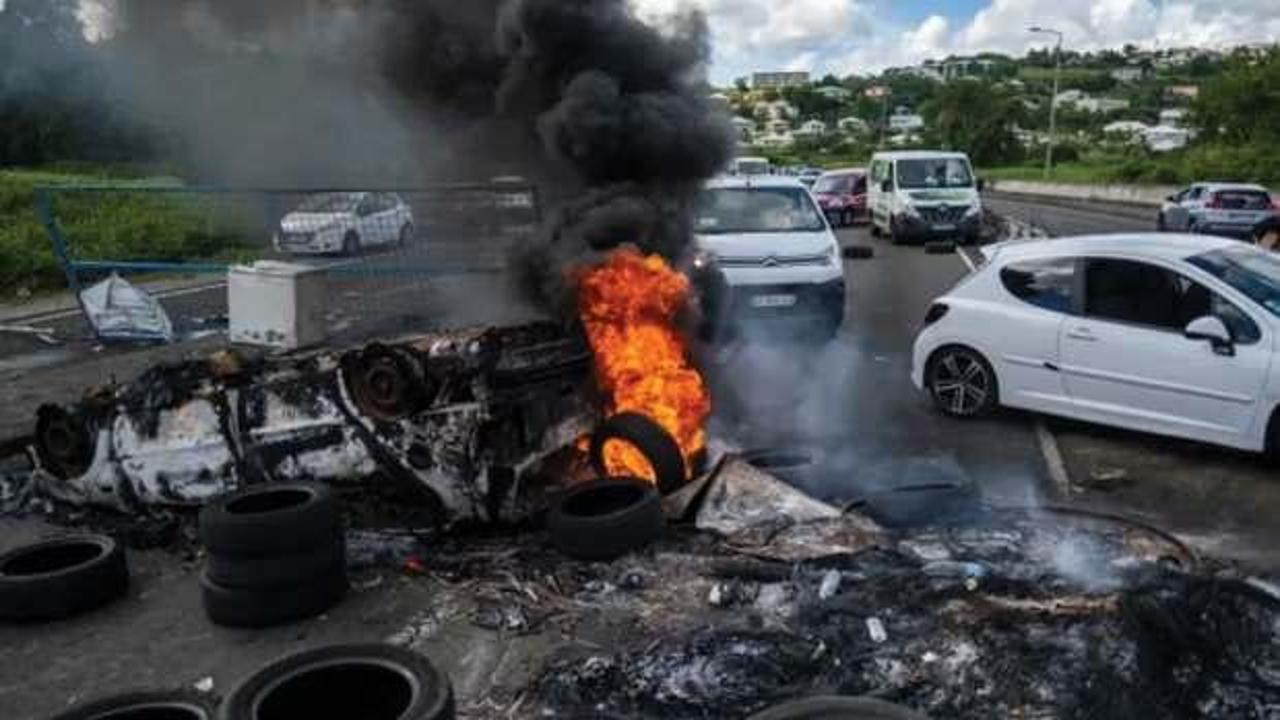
<point>1229,209</point>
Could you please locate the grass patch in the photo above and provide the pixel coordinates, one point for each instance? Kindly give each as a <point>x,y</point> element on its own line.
<point>128,223</point>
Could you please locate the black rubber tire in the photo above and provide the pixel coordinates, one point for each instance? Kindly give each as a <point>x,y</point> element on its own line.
<point>406,235</point>
<point>248,608</point>
<point>351,244</point>
<point>838,708</point>
<point>875,229</point>
<point>87,572</point>
<point>989,403</point>
<point>606,519</point>
<point>238,525</point>
<point>795,466</point>
<point>925,504</point>
<point>310,680</point>
<point>277,572</point>
<point>1160,226</point>
<point>178,705</point>
<point>650,439</point>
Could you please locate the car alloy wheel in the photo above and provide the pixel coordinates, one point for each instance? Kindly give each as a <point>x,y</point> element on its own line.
<point>961,383</point>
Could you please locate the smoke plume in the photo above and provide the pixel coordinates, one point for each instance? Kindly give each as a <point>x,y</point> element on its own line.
<point>606,114</point>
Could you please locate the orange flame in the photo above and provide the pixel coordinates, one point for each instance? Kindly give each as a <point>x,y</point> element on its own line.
<point>628,306</point>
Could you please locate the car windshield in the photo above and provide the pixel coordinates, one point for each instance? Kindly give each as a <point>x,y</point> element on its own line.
<point>835,184</point>
<point>934,173</point>
<point>1254,273</point>
<point>330,202</point>
<point>757,210</point>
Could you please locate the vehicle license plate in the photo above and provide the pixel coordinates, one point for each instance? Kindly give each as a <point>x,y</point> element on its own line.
<point>944,228</point>
<point>773,301</point>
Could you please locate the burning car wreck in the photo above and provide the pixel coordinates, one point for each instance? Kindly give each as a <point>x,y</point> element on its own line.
<point>463,416</point>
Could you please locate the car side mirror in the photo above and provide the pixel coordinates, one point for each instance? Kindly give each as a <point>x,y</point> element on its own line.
<point>1210,328</point>
<point>886,186</point>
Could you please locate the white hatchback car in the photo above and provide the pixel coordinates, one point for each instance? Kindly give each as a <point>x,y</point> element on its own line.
<point>1170,334</point>
<point>346,223</point>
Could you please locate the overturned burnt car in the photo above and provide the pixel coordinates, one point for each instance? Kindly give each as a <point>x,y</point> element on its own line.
<point>465,416</point>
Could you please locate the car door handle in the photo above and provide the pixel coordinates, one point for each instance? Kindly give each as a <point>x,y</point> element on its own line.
<point>1082,334</point>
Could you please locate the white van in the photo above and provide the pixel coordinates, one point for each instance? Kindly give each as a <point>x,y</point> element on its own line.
<point>751,166</point>
<point>922,195</point>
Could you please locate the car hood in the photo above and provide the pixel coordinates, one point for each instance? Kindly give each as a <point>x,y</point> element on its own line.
<point>312,222</point>
<point>763,245</point>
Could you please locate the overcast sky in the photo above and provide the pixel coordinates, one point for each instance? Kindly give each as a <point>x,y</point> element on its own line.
<point>850,36</point>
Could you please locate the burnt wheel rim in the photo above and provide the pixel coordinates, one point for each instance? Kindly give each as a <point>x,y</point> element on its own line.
<point>961,383</point>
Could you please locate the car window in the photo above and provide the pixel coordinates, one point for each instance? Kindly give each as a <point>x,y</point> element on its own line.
<point>834,184</point>
<point>934,173</point>
<point>757,210</point>
<point>1194,193</point>
<point>1242,199</point>
<point>1143,294</point>
<point>1047,284</point>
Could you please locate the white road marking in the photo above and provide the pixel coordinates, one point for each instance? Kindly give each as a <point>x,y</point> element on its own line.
<point>1053,460</point>
<point>965,257</point>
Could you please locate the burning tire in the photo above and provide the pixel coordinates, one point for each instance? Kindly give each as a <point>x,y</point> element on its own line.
<point>647,436</point>
<point>282,518</point>
<point>61,578</point>
<point>371,682</point>
<point>143,706</point>
<point>838,708</point>
<point>255,608</point>
<point>276,555</point>
<point>606,519</point>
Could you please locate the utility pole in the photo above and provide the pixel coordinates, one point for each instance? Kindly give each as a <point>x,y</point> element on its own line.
<point>1053,101</point>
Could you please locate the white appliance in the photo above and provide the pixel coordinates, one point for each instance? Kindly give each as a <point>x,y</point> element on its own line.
<point>277,305</point>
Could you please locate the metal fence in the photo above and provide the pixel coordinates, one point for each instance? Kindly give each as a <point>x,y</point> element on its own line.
<point>389,254</point>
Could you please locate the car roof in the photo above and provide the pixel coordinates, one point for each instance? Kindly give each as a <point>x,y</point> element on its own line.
<point>1158,246</point>
<point>1232,186</point>
<point>754,181</point>
<point>845,171</point>
<point>917,155</point>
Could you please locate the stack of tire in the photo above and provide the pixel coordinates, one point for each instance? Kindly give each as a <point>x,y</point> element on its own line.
<point>276,554</point>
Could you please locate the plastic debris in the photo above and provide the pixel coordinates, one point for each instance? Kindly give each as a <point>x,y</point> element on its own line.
<point>830,585</point>
<point>120,312</point>
<point>876,630</point>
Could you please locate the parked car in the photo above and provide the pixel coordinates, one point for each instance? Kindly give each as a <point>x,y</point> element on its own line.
<point>842,195</point>
<point>1228,209</point>
<point>345,223</point>
<point>1169,334</point>
<point>776,250</point>
<point>921,195</point>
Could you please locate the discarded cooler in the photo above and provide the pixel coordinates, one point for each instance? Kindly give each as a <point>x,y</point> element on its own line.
<point>277,305</point>
<point>276,554</point>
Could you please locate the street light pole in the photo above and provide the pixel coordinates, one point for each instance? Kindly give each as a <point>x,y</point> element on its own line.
<point>1053,101</point>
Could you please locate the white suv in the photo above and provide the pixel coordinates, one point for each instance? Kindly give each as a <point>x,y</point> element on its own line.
<point>776,250</point>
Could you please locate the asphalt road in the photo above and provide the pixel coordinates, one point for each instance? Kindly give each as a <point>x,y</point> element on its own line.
<point>1071,218</point>
<point>851,403</point>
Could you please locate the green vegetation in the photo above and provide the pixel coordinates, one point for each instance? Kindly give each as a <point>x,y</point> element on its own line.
<point>126,224</point>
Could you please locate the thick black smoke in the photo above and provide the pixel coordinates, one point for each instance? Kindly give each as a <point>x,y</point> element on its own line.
<point>606,113</point>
